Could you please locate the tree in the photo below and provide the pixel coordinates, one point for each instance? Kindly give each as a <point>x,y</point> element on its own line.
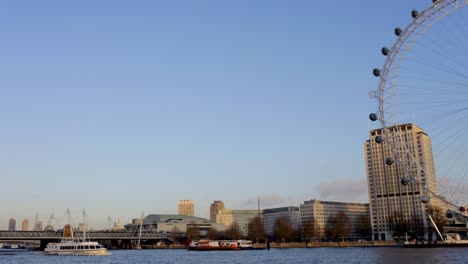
<point>212,234</point>
<point>256,229</point>
<point>438,216</point>
<point>337,227</point>
<point>398,224</point>
<point>192,232</point>
<point>283,229</point>
<point>233,232</point>
<point>176,233</point>
<point>309,228</point>
<point>363,226</point>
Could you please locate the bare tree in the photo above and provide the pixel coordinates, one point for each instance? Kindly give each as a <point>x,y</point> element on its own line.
<point>338,226</point>
<point>233,232</point>
<point>309,228</point>
<point>212,234</point>
<point>193,232</point>
<point>175,233</point>
<point>363,226</point>
<point>438,216</point>
<point>398,224</point>
<point>283,229</point>
<point>256,229</point>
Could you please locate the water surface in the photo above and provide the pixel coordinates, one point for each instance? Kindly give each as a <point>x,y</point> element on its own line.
<point>274,256</point>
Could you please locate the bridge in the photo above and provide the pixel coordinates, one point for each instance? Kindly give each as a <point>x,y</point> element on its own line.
<point>110,239</point>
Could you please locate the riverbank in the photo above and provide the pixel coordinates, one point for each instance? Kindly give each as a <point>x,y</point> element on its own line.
<point>299,245</point>
<point>332,244</point>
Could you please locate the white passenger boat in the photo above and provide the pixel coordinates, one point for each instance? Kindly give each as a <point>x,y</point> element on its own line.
<point>71,245</point>
<point>76,248</point>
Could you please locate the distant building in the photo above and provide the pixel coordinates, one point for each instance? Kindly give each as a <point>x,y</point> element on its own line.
<point>12,224</point>
<point>173,224</point>
<point>292,213</point>
<point>241,217</point>
<point>25,225</point>
<point>215,207</point>
<point>322,211</point>
<point>186,207</point>
<point>38,226</point>
<point>118,226</point>
<point>391,202</point>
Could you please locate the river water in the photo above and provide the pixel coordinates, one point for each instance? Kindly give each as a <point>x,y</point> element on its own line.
<point>274,256</point>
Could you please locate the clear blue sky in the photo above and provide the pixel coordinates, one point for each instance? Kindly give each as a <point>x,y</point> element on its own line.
<point>122,106</point>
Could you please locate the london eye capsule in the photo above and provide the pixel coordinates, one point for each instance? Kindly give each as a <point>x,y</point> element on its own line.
<point>414,14</point>
<point>398,31</point>
<point>373,117</point>
<point>378,139</point>
<point>385,51</point>
<point>389,161</point>
<point>376,72</point>
<point>424,199</point>
<point>404,181</point>
<point>449,214</point>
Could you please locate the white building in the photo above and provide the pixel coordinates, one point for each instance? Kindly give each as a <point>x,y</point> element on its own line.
<point>241,217</point>
<point>322,211</point>
<point>270,216</point>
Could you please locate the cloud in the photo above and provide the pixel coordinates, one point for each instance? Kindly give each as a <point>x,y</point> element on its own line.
<point>344,190</point>
<point>268,200</point>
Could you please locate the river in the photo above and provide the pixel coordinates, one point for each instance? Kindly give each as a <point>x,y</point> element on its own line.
<point>274,256</point>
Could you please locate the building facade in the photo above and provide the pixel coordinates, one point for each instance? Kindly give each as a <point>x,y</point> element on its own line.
<point>25,225</point>
<point>241,217</point>
<point>215,207</point>
<point>12,224</point>
<point>38,226</point>
<point>175,224</point>
<point>270,216</point>
<point>322,211</point>
<point>392,203</point>
<point>186,207</point>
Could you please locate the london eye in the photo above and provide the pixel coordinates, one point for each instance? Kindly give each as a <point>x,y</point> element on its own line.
<point>424,81</point>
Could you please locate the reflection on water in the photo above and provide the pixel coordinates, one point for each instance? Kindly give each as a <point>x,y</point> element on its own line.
<point>274,256</point>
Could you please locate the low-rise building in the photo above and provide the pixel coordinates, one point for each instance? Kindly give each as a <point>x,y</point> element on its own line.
<point>241,217</point>
<point>323,211</point>
<point>270,216</point>
<point>173,224</point>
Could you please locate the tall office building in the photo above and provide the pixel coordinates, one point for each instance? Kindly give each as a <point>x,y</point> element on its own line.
<point>215,207</point>
<point>39,226</point>
<point>25,225</point>
<point>186,207</point>
<point>390,201</point>
<point>12,224</point>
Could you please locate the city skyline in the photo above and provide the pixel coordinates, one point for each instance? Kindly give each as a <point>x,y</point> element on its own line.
<point>129,108</point>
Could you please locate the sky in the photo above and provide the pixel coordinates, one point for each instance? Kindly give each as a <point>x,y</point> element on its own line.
<point>119,107</point>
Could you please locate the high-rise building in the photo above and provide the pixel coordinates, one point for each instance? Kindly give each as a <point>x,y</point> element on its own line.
<point>12,224</point>
<point>39,226</point>
<point>270,215</point>
<point>215,207</point>
<point>186,207</point>
<point>322,211</point>
<point>241,217</point>
<point>391,202</point>
<point>25,225</point>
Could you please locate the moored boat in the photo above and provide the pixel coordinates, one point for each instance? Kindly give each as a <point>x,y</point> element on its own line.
<point>71,245</point>
<point>206,245</point>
